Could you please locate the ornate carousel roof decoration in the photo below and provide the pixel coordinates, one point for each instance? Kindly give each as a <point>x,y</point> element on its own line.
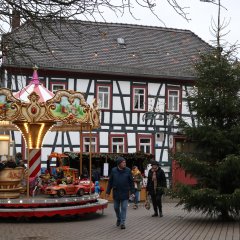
<point>72,112</point>
<point>34,86</point>
<point>64,111</point>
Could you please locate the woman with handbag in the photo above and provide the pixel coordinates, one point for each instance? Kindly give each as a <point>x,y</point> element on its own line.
<point>155,187</point>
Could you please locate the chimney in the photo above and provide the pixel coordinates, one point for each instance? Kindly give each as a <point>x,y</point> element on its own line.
<point>15,19</point>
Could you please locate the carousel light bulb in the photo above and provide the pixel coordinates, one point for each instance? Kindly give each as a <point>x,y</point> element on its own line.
<point>40,134</point>
<point>26,127</point>
<point>30,143</point>
<point>20,201</point>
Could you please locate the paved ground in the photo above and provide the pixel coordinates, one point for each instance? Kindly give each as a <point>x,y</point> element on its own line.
<point>176,225</point>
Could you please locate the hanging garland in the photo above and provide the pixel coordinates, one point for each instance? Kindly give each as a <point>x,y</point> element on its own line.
<point>110,157</point>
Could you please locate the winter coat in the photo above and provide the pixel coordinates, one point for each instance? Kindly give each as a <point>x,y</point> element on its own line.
<point>121,182</point>
<point>161,182</point>
<point>137,181</point>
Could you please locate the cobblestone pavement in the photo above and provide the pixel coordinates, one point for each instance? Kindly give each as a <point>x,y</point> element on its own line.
<point>175,225</point>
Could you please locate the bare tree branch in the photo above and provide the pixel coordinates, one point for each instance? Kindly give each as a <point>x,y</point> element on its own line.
<point>40,14</point>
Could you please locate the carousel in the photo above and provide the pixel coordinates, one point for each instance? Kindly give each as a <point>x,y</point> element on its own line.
<point>34,111</point>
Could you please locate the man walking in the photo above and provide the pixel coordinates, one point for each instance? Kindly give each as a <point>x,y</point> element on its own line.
<point>155,187</point>
<point>121,182</point>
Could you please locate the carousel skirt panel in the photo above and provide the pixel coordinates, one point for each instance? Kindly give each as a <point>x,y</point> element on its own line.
<point>49,207</point>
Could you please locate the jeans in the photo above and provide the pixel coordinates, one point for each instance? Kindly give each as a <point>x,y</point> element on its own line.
<point>136,199</point>
<point>120,207</point>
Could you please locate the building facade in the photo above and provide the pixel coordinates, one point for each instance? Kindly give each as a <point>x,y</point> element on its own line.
<point>140,75</point>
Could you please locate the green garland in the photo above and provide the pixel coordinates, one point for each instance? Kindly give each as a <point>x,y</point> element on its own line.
<point>110,157</point>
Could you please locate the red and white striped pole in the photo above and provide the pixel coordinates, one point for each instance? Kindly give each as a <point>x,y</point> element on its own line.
<point>34,162</point>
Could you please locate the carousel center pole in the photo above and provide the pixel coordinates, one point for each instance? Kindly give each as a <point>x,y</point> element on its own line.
<point>90,160</point>
<point>81,147</point>
<point>34,134</point>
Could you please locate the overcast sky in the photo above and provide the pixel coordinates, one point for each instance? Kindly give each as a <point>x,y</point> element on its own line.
<point>201,14</point>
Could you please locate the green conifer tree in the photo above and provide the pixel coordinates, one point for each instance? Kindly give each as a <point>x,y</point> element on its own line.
<point>215,158</point>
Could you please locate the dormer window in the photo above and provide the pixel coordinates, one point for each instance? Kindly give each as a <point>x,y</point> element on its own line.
<point>121,42</point>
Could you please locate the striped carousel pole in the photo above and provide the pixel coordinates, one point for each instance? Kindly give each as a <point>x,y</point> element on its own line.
<point>34,134</point>
<point>34,162</point>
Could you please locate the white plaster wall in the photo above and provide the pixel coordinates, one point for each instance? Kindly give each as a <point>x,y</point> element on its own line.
<point>131,138</point>
<point>18,136</point>
<point>71,84</point>
<point>49,138</point>
<point>153,88</point>
<point>45,153</point>
<point>188,119</point>
<point>163,89</point>
<point>58,79</point>
<point>165,155</point>
<point>131,150</point>
<point>127,104</point>
<point>103,138</point>
<point>106,117</point>
<point>118,118</point>
<point>75,137</point>
<point>125,87</point>
<point>104,150</point>
<point>134,118</point>
<point>128,118</point>
<point>116,103</point>
<point>185,109</point>
<point>90,99</point>
<point>82,84</point>
<point>21,81</point>
<point>115,87</point>
<point>117,127</point>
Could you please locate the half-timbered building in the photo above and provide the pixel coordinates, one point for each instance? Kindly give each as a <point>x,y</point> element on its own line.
<point>141,76</point>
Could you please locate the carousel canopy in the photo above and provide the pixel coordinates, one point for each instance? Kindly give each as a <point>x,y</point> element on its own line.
<point>34,86</point>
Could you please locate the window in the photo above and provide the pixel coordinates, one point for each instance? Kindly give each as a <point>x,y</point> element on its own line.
<point>103,96</point>
<point>145,143</point>
<point>86,143</point>
<point>173,100</point>
<point>56,87</point>
<point>139,98</point>
<point>118,143</point>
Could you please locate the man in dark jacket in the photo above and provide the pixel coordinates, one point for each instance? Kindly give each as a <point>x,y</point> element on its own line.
<point>155,187</point>
<point>121,182</point>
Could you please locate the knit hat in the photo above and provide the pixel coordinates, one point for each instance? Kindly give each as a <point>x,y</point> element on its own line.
<point>154,163</point>
<point>119,160</point>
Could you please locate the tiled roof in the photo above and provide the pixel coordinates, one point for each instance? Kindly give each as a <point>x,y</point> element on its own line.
<point>93,47</point>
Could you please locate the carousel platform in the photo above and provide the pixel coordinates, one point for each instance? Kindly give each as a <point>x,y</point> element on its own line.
<point>45,206</point>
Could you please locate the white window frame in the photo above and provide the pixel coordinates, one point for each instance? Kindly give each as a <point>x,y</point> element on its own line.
<point>87,144</point>
<point>140,97</point>
<point>58,84</point>
<point>118,144</point>
<point>145,145</point>
<point>173,100</point>
<point>102,95</point>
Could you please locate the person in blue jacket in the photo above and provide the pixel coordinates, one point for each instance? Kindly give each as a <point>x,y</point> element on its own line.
<point>121,182</point>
